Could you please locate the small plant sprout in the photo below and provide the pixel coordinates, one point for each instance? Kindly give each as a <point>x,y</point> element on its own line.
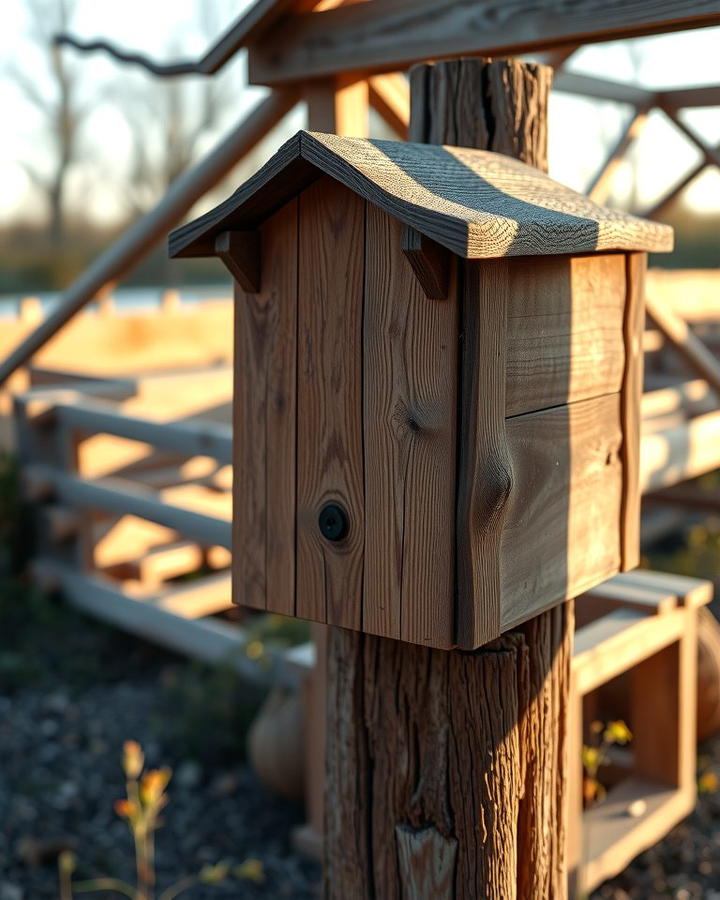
<point>595,755</point>
<point>141,808</point>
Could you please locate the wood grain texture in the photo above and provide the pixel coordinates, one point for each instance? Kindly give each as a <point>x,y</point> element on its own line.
<point>330,428</point>
<point>429,261</point>
<point>476,203</point>
<point>485,468</point>
<point>264,425</point>
<point>631,396</point>
<point>561,529</point>
<point>427,862</point>
<point>564,330</point>
<point>400,32</point>
<point>389,717</point>
<point>241,252</point>
<point>546,751</point>
<point>409,395</point>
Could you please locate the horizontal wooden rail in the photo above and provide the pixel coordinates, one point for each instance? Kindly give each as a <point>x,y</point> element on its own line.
<point>678,333</point>
<point>190,438</point>
<point>205,638</point>
<point>688,397</point>
<point>115,495</point>
<point>677,454</point>
<point>144,234</point>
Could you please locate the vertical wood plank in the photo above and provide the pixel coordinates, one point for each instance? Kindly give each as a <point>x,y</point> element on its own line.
<point>485,471</point>
<point>264,425</point>
<point>410,370</point>
<point>631,396</point>
<point>663,712</point>
<point>330,446</point>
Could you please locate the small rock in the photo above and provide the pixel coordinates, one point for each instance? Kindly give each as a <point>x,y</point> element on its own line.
<point>188,774</point>
<point>637,809</point>
<point>10,891</point>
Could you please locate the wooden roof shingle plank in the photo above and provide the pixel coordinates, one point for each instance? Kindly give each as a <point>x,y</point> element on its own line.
<point>476,203</point>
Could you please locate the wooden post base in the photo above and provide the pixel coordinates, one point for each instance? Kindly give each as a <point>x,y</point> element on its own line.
<point>445,771</point>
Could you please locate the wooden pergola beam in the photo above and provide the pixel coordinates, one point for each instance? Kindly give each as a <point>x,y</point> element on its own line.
<point>389,35</point>
<point>604,89</point>
<point>600,185</point>
<point>389,95</point>
<point>689,98</point>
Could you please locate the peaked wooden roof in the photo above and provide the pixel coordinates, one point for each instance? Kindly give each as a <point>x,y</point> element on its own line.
<point>476,203</point>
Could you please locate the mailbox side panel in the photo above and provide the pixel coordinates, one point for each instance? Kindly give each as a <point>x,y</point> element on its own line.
<point>542,455</point>
<point>264,424</point>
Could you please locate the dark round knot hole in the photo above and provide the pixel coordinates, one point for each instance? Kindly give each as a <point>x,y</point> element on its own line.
<point>333,522</point>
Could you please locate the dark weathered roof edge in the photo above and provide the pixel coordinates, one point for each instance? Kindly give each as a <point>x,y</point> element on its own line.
<point>297,164</point>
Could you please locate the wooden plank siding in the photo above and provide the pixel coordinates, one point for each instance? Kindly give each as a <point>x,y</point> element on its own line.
<point>264,424</point>
<point>410,349</point>
<point>330,453</point>
<point>561,533</point>
<point>564,330</point>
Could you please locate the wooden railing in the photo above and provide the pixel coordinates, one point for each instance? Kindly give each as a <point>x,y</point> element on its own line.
<point>115,544</point>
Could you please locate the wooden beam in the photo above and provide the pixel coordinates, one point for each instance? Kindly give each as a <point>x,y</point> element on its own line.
<point>190,438</point>
<point>390,97</point>
<point>688,397</point>
<point>678,333</point>
<point>599,188</point>
<point>338,106</point>
<point>603,89</point>
<point>203,638</point>
<point>388,36</point>
<point>685,98</point>
<point>711,154</point>
<point>680,453</point>
<point>125,498</point>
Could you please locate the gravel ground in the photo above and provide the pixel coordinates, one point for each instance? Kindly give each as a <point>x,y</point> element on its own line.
<point>63,722</point>
<point>686,864</point>
<point>72,691</point>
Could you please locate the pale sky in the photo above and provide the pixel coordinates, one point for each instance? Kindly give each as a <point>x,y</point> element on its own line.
<point>581,131</point>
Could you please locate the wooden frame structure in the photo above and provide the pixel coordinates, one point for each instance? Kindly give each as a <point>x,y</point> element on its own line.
<point>643,624</point>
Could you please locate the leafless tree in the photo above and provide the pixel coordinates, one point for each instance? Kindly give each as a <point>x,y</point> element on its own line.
<point>170,119</point>
<point>54,90</point>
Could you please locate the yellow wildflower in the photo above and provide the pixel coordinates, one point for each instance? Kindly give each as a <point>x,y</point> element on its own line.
<point>251,870</point>
<point>617,733</point>
<point>153,785</point>
<point>133,759</point>
<point>126,809</point>
<point>708,783</point>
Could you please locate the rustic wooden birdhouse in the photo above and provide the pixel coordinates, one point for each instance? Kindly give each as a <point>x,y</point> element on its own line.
<point>437,384</point>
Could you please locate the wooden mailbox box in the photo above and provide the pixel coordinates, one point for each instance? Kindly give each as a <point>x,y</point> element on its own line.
<point>438,374</point>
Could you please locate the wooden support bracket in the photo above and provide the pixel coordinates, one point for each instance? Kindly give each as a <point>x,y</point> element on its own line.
<point>240,252</point>
<point>430,262</point>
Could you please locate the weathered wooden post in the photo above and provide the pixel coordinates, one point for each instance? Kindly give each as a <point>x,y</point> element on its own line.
<point>436,393</point>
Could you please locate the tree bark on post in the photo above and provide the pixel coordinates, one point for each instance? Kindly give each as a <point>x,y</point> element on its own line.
<point>446,769</point>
